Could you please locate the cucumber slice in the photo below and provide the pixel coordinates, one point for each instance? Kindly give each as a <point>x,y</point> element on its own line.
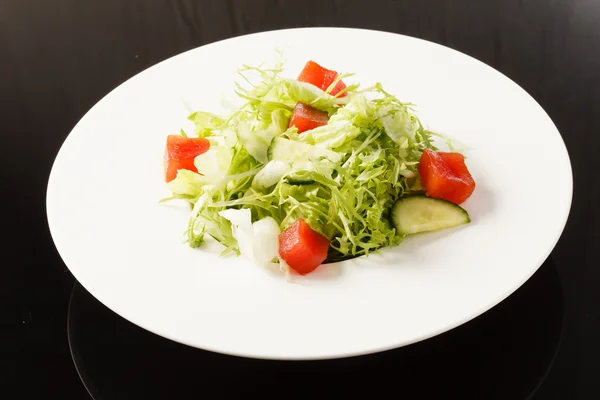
<point>290,151</point>
<point>415,214</point>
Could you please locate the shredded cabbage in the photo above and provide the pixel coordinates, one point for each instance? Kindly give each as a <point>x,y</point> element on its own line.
<point>377,141</point>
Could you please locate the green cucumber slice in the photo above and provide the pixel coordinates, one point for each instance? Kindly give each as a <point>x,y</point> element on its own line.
<point>415,214</point>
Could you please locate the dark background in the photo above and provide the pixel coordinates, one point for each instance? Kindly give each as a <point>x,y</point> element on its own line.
<point>59,57</point>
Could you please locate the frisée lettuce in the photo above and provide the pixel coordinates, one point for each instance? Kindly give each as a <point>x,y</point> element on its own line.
<point>261,174</point>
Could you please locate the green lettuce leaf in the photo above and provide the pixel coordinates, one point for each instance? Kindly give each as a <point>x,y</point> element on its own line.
<point>341,178</point>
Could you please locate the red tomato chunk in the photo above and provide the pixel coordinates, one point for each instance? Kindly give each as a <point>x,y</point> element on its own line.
<point>302,248</point>
<point>445,176</point>
<point>321,77</point>
<point>180,153</point>
<point>306,117</point>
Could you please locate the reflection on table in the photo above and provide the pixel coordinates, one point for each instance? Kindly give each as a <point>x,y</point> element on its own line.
<point>503,354</point>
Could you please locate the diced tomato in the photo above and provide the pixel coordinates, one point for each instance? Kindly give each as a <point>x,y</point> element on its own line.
<point>306,117</point>
<point>445,176</point>
<point>321,77</point>
<point>180,153</point>
<point>302,248</point>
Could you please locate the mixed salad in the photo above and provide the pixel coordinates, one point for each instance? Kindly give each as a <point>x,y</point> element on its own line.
<point>311,170</point>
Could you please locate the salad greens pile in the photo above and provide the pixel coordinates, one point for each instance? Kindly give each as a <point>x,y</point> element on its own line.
<point>341,178</point>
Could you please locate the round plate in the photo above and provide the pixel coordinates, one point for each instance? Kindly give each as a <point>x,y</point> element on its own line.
<point>127,249</point>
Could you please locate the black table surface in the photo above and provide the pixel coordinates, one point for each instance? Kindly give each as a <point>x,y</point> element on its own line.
<point>59,57</point>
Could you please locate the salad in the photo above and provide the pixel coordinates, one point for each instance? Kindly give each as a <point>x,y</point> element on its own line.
<point>312,170</point>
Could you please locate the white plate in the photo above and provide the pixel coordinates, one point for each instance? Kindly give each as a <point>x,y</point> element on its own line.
<point>128,250</point>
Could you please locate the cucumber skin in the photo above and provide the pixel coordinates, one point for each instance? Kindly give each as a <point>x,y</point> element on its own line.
<point>296,181</point>
<point>394,218</point>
